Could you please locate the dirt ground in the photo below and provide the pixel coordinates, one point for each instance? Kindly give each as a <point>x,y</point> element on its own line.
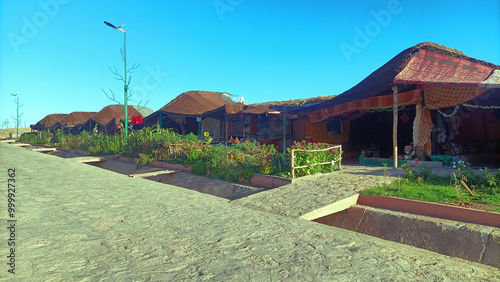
<point>5,133</point>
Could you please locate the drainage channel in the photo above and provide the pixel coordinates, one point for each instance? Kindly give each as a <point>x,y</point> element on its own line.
<point>473,242</point>
<point>202,184</point>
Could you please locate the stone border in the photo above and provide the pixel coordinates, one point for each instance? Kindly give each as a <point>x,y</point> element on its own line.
<point>432,209</point>
<point>477,243</point>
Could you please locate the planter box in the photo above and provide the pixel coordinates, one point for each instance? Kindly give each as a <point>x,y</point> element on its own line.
<point>268,181</point>
<point>432,209</point>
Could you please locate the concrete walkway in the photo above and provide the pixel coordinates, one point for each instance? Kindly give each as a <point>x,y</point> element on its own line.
<point>76,222</point>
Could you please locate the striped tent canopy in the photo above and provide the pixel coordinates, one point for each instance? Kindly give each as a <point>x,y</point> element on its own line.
<point>447,77</point>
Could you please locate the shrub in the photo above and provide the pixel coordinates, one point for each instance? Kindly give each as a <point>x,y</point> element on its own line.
<point>143,160</point>
<point>303,158</point>
<point>28,137</point>
<point>230,174</point>
<point>199,168</point>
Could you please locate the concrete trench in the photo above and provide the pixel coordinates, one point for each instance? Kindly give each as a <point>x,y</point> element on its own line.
<point>202,184</point>
<point>473,242</point>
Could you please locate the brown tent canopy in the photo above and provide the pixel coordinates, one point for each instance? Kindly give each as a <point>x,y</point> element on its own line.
<point>75,118</point>
<point>201,103</point>
<point>48,121</point>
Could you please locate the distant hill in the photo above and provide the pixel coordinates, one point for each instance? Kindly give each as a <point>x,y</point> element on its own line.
<point>5,133</point>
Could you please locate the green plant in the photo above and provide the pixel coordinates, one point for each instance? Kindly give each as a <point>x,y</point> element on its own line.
<point>311,155</point>
<point>445,159</point>
<point>229,174</point>
<point>143,160</point>
<point>28,137</point>
<point>386,170</point>
<point>199,168</point>
<point>422,185</point>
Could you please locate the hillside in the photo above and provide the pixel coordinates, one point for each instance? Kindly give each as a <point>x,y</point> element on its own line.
<point>5,133</point>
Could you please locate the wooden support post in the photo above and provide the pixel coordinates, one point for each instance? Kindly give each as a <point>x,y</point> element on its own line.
<point>284,132</point>
<point>292,161</point>
<point>395,124</point>
<point>226,125</point>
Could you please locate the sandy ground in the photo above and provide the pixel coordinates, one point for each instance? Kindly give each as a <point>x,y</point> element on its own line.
<point>76,222</point>
<point>350,173</point>
<point>5,133</point>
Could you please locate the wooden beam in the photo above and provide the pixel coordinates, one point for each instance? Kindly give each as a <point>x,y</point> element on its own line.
<point>395,124</point>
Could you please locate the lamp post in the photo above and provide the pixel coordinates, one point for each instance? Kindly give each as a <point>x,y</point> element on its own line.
<point>17,115</point>
<point>125,85</point>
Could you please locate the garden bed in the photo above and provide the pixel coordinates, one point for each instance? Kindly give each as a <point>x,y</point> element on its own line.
<point>432,209</point>
<point>236,163</point>
<point>464,186</point>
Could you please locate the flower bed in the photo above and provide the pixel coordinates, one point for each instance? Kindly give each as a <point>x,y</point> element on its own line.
<point>232,163</point>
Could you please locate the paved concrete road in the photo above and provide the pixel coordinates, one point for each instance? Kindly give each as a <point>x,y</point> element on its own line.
<point>76,222</point>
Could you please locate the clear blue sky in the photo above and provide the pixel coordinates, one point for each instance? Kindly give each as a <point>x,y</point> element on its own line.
<point>56,53</point>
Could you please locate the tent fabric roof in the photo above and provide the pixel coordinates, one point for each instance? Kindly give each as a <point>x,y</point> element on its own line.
<point>380,82</point>
<point>116,112</point>
<point>256,110</point>
<point>427,67</point>
<point>293,104</point>
<point>75,118</point>
<point>48,121</point>
<point>198,103</point>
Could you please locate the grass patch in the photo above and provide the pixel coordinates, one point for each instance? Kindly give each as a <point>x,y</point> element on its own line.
<point>422,185</point>
<point>415,191</point>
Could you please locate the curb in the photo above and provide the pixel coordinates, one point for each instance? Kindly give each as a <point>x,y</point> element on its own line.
<point>432,209</point>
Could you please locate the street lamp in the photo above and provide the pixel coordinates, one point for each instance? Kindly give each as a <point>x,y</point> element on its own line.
<point>17,115</point>
<point>125,86</point>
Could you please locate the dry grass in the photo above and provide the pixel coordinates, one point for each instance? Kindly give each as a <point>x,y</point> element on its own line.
<point>296,102</point>
<point>5,133</point>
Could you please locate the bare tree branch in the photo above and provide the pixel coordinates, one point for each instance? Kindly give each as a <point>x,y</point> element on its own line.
<point>117,75</point>
<point>112,97</point>
<point>133,68</point>
<point>126,86</point>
